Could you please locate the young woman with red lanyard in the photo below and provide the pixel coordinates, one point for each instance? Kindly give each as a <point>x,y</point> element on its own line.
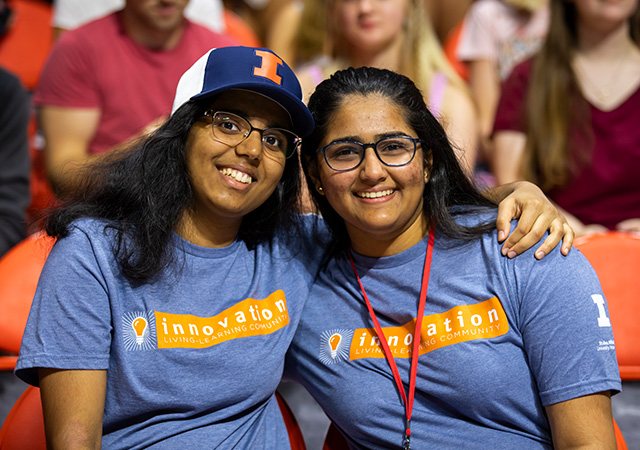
<point>418,332</point>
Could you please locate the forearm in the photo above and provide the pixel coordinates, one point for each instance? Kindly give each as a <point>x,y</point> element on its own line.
<point>498,193</point>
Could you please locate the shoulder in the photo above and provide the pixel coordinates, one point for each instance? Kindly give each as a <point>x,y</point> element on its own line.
<point>95,233</point>
<point>86,39</point>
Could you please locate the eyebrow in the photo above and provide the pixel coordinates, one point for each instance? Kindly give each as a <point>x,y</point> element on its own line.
<point>377,137</point>
<point>245,116</point>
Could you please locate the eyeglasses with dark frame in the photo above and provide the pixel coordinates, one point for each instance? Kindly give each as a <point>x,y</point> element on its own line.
<point>232,129</point>
<point>393,151</point>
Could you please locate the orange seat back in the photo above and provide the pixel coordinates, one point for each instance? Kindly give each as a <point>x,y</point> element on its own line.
<point>615,256</point>
<point>20,270</point>
<point>23,428</point>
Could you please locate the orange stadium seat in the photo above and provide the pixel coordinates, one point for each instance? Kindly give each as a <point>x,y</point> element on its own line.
<point>19,273</point>
<point>615,256</point>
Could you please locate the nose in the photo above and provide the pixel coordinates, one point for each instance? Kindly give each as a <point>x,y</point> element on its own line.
<point>371,168</point>
<point>365,5</point>
<point>251,146</point>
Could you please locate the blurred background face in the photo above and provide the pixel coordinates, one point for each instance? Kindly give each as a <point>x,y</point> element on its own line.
<point>369,25</point>
<point>601,14</point>
<point>161,15</point>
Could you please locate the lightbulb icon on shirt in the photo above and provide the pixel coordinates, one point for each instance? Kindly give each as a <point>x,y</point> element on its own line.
<point>139,326</point>
<point>334,342</point>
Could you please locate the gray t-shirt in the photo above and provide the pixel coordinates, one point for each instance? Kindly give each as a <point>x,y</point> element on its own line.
<point>193,358</point>
<point>501,338</point>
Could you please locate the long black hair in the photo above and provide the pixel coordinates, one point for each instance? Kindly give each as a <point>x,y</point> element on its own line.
<point>142,191</point>
<point>448,185</point>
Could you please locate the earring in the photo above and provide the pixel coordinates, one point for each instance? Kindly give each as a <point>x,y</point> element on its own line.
<point>426,177</point>
<point>320,190</point>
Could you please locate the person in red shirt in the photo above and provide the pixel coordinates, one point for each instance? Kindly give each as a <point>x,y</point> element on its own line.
<point>114,78</point>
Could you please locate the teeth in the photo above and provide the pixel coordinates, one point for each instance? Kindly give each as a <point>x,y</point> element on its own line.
<point>236,175</point>
<point>375,194</point>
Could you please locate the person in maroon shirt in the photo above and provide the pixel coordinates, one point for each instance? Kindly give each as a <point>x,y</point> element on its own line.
<point>568,118</point>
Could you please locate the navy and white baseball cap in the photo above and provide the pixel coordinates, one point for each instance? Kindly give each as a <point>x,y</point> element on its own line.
<point>252,69</point>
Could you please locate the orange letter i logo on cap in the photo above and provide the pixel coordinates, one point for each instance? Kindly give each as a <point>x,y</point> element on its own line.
<point>269,67</point>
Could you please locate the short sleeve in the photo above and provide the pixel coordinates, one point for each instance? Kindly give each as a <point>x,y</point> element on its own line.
<point>69,77</point>
<point>69,326</point>
<point>478,39</point>
<point>565,327</point>
<point>511,110</point>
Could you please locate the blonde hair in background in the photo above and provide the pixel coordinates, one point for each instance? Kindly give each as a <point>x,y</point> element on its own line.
<point>421,55</point>
<point>554,103</point>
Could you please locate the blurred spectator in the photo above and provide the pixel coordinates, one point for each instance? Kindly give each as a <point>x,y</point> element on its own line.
<point>14,160</point>
<point>112,78</point>
<point>70,14</point>
<point>395,35</point>
<point>497,35</point>
<point>568,119</point>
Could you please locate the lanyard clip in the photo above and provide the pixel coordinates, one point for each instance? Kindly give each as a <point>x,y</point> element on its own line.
<point>406,441</point>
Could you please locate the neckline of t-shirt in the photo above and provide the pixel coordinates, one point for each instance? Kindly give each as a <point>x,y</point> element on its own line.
<point>625,104</point>
<point>205,252</point>
<point>386,262</point>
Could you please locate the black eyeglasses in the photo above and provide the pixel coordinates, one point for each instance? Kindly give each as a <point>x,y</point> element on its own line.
<point>391,151</point>
<point>232,129</point>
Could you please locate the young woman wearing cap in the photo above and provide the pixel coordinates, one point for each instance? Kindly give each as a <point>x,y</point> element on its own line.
<point>165,308</point>
<point>509,353</point>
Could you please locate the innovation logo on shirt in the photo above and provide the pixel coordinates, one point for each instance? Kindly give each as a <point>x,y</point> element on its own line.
<point>460,324</point>
<point>463,323</point>
<point>249,317</point>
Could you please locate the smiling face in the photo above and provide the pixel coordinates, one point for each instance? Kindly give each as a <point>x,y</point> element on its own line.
<point>229,182</point>
<point>370,26</point>
<point>381,205</point>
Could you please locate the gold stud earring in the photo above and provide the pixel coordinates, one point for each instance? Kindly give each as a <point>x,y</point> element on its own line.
<point>320,190</point>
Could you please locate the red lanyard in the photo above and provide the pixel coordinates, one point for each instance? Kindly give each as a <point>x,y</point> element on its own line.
<point>408,404</point>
